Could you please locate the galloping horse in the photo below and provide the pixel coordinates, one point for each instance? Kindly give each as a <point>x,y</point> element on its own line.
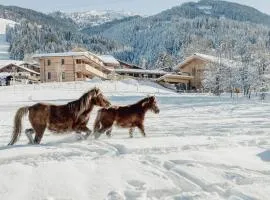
<point>130,116</point>
<point>72,116</point>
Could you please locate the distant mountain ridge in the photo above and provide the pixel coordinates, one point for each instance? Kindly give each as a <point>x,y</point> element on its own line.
<point>217,9</point>
<point>191,27</point>
<point>36,32</point>
<point>92,18</point>
<point>93,30</point>
<point>18,14</point>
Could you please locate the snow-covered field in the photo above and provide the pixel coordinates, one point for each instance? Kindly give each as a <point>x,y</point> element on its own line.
<point>198,147</point>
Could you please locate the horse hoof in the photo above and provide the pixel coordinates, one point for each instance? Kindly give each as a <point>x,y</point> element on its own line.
<point>80,137</point>
<point>97,135</point>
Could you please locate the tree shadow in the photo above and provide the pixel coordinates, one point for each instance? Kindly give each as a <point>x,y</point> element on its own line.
<point>265,155</point>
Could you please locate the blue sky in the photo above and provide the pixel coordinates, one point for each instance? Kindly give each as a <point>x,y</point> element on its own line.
<point>144,7</point>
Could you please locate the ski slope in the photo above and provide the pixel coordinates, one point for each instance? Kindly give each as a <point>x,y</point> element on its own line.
<point>199,147</point>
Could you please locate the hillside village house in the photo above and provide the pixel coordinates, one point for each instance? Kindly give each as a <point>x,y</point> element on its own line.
<point>70,66</point>
<point>125,69</point>
<point>195,65</point>
<point>77,66</point>
<point>22,71</point>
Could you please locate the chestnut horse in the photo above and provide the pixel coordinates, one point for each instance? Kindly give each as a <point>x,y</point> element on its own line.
<point>72,116</point>
<point>130,116</point>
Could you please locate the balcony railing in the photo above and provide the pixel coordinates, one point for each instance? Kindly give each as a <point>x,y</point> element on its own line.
<point>88,69</point>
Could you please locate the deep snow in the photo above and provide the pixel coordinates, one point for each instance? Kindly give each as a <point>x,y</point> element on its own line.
<point>198,147</point>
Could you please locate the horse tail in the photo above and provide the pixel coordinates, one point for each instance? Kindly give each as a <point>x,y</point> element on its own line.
<point>17,128</point>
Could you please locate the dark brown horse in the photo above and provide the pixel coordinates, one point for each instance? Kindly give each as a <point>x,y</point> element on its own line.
<point>72,116</point>
<point>130,116</point>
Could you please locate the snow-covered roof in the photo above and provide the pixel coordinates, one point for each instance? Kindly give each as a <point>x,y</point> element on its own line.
<point>145,71</point>
<point>4,74</point>
<point>27,69</point>
<point>109,59</point>
<point>62,54</point>
<point>209,58</point>
<point>129,64</point>
<point>86,54</point>
<point>4,63</point>
<point>18,63</point>
<point>66,54</point>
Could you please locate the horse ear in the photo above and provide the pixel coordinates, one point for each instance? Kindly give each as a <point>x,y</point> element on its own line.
<point>97,91</point>
<point>148,99</point>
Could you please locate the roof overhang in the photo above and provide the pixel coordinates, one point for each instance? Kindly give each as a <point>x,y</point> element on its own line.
<point>175,78</point>
<point>141,71</point>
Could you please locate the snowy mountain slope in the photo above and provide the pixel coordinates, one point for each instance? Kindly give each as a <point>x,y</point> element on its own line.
<point>4,46</point>
<point>20,14</point>
<point>4,23</point>
<point>94,17</point>
<point>198,147</point>
<point>217,9</point>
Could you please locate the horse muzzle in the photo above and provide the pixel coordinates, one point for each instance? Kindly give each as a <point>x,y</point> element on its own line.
<point>156,110</point>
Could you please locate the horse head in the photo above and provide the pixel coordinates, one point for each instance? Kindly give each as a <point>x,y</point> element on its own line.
<point>99,99</point>
<point>151,103</point>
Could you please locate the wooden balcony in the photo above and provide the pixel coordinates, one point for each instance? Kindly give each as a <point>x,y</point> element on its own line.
<point>175,78</point>
<point>90,70</point>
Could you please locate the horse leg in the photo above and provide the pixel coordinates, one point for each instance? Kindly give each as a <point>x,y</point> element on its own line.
<point>99,131</point>
<point>101,126</point>
<point>39,129</point>
<point>104,128</point>
<point>109,132</point>
<point>141,127</point>
<point>86,130</point>
<point>131,130</point>
<point>29,132</point>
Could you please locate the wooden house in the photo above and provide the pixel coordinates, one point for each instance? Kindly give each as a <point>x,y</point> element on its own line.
<point>196,64</point>
<point>70,66</point>
<point>20,70</point>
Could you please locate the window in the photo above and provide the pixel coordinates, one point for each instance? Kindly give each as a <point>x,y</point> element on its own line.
<point>63,75</point>
<point>79,75</point>
<point>78,61</point>
<point>49,75</point>
<point>48,62</point>
<point>62,61</point>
